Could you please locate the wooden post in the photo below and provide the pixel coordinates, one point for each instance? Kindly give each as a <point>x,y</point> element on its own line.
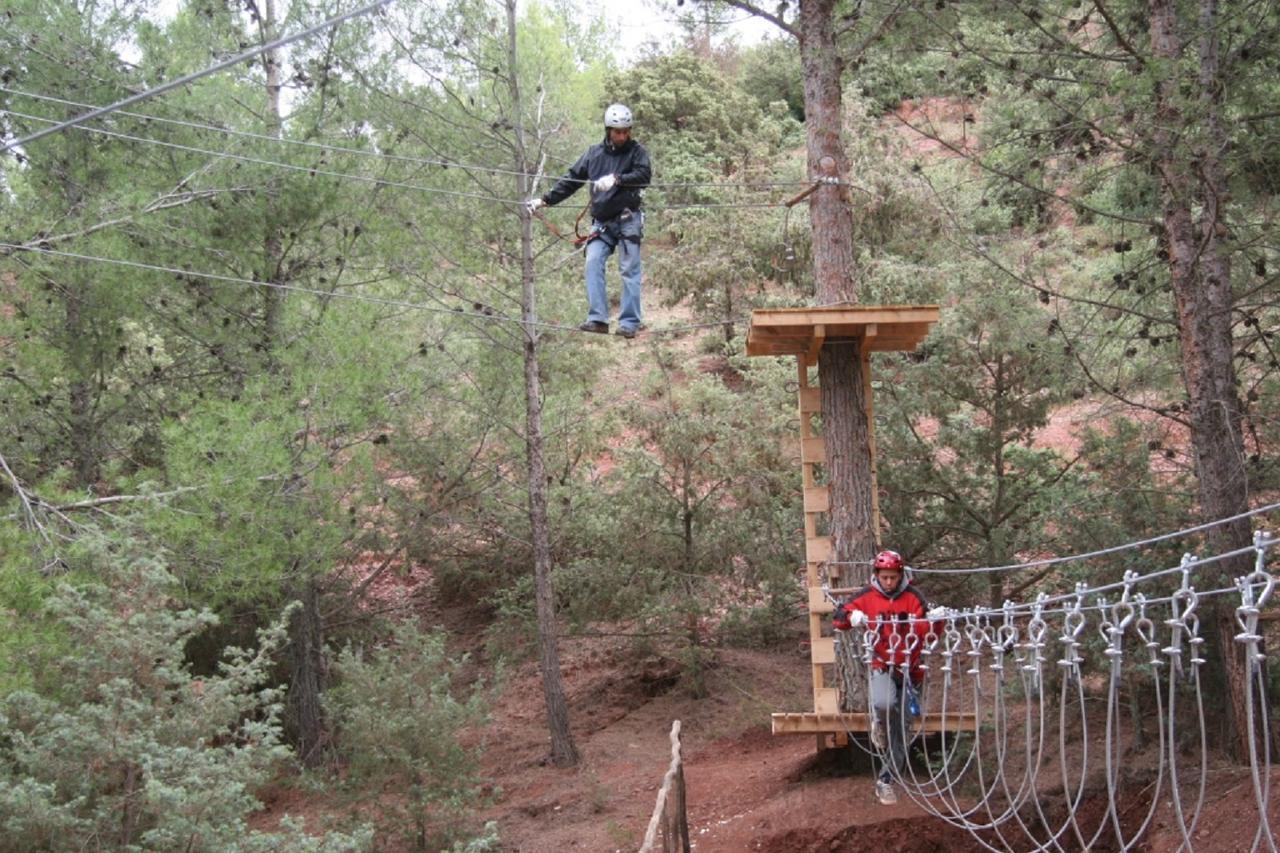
<point>669,810</point>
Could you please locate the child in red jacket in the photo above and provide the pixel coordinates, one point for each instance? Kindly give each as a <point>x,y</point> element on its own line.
<point>899,615</point>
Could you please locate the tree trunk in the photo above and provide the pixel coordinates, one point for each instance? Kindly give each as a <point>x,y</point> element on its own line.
<point>81,401</point>
<point>845,430</point>
<point>1189,159</point>
<point>563,751</point>
<point>309,676</point>
<point>272,297</point>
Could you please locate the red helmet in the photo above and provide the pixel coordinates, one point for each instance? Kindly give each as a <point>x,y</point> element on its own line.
<point>888,560</point>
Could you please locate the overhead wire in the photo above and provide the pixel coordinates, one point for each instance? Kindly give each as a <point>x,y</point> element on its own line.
<point>230,279</point>
<point>194,76</point>
<point>443,163</point>
<point>368,179</point>
<point>1052,561</point>
<point>310,170</point>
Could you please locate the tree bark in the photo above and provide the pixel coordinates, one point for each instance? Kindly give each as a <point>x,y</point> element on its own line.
<point>1189,141</point>
<point>81,400</point>
<point>272,297</point>
<point>309,675</point>
<point>845,430</point>
<point>563,751</point>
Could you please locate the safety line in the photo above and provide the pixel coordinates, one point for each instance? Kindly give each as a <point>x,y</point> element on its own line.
<point>311,170</point>
<point>355,297</point>
<point>191,78</point>
<point>381,155</point>
<point>1052,561</point>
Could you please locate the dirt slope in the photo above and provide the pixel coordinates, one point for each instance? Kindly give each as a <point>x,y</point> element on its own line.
<point>747,790</point>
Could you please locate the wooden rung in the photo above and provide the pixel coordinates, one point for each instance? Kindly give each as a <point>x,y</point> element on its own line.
<point>817,549</point>
<point>817,499</point>
<point>832,722</point>
<point>810,400</point>
<point>826,700</point>
<point>813,449</point>
<point>823,650</point>
<point>818,601</point>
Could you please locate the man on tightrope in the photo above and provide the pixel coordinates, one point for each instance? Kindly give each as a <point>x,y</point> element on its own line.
<point>616,170</point>
<point>892,608</point>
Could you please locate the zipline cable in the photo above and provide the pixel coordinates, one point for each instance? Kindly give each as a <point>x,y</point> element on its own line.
<point>1052,561</point>
<point>194,76</point>
<point>7,248</point>
<point>311,170</point>
<point>362,152</point>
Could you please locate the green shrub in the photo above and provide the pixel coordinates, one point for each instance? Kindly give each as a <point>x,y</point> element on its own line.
<point>765,624</point>
<point>134,752</point>
<point>399,726</point>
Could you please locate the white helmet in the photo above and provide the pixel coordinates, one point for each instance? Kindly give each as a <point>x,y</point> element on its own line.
<point>617,115</point>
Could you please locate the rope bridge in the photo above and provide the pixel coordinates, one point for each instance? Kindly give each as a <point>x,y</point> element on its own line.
<point>1066,690</point>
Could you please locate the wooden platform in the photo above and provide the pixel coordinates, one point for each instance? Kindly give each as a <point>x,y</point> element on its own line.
<point>814,723</point>
<point>802,331</point>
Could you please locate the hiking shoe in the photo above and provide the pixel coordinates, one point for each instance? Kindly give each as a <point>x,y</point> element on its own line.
<point>879,738</point>
<point>594,326</point>
<point>624,332</point>
<point>885,793</point>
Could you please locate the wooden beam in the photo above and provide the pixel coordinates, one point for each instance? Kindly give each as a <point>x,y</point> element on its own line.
<point>870,412</point>
<point>784,317</point>
<point>815,343</point>
<point>815,723</point>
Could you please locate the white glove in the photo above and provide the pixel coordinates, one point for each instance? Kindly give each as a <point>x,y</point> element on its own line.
<point>857,619</point>
<point>533,204</point>
<point>606,183</point>
<point>938,613</point>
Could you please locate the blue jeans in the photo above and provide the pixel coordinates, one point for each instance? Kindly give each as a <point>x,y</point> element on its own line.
<point>598,252</point>
<point>887,706</point>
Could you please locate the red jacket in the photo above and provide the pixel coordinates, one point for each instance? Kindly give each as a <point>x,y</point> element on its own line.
<point>887,615</point>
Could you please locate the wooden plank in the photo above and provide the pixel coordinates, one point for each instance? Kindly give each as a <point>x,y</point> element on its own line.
<point>813,449</point>
<point>826,700</point>
<point>858,315</point>
<point>810,400</point>
<point>793,331</point>
<point>823,650</point>
<point>833,722</point>
<point>818,601</point>
<point>817,499</point>
<point>817,549</point>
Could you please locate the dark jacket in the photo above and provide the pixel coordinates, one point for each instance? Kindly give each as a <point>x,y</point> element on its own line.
<point>887,615</point>
<point>629,161</point>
